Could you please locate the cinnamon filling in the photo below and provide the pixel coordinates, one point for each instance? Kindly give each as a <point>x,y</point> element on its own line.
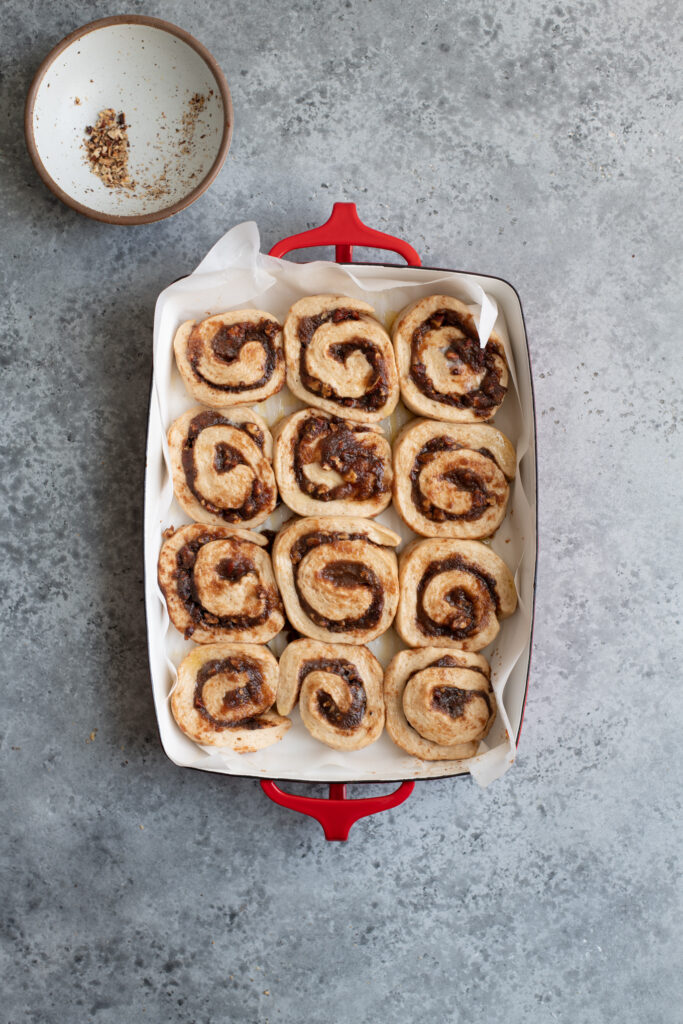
<point>460,351</point>
<point>377,391</point>
<point>230,569</point>
<point>333,444</point>
<point>341,573</point>
<point>463,479</point>
<point>346,721</point>
<point>465,618</point>
<point>226,457</point>
<point>227,344</point>
<point>235,698</point>
<point>452,700</point>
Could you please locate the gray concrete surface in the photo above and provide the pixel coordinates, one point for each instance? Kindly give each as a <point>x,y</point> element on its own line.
<point>535,141</point>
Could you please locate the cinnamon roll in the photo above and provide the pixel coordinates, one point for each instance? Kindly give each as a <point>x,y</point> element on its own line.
<point>451,480</point>
<point>224,694</point>
<point>443,371</point>
<point>439,702</point>
<point>220,463</point>
<point>231,358</point>
<point>218,584</point>
<point>453,593</point>
<point>339,689</point>
<point>339,358</point>
<point>338,577</point>
<point>325,465</point>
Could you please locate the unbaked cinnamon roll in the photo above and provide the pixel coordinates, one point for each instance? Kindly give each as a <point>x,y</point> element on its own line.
<point>340,358</point>
<point>339,690</point>
<point>220,463</point>
<point>439,702</point>
<point>453,593</point>
<point>338,577</point>
<point>325,465</point>
<point>231,358</point>
<point>451,479</point>
<point>219,585</point>
<point>224,694</point>
<point>443,371</point>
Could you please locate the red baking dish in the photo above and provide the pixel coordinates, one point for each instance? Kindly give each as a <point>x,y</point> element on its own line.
<point>337,813</point>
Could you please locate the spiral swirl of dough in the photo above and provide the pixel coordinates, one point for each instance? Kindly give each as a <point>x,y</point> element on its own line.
<point>439,702</point>
<point>221,467</point>
<point>451,480</point>
<point>339,358</point>
<point>325,465</point>
<point>218,584</point>
<point>224,694</point>
<point>337,577</point>
<point>231,358</point>
<point>339,690</point>
<point>453,593</point>
<point>443,371</point>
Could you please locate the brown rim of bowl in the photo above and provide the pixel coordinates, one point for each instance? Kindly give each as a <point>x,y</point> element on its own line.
<point>209,60</point>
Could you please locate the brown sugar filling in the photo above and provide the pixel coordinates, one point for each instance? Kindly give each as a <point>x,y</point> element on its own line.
<point>230,569</point>
<point>464,620</point>
<point>334,444</point>
<point>226,457</point>
<point>341,573</point>
<point>453,700</point>
<point>377,391</point>
<point>227,344</point>
<point>464,480</point>
<point>465,350</point>
<point>349,720</point>
<point>233,698</point>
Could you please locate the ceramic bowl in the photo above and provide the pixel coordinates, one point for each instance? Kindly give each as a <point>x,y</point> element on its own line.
<point>150,70</point>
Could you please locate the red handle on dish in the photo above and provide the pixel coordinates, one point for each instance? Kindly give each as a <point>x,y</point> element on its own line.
<point>343,230</point>
<point>337,814</point>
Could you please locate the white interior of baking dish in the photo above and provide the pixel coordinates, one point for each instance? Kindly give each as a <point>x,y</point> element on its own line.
<point>235,275</point>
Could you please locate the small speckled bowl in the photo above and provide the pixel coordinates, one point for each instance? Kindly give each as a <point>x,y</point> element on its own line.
<point>150,70</point>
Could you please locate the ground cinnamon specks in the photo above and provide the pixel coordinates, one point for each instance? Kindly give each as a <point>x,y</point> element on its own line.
<point>107,146</point>
<point>189,121</point>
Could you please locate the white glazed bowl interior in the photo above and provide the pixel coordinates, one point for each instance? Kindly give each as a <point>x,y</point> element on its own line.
<point>150,75</point>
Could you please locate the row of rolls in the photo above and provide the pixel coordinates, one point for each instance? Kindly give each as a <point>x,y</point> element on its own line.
<point>338,580</point>
<point>334,353</point>
<point>436,703</point>
<point>338,584</point>
<point>445,479</point>
<point>333,578</point>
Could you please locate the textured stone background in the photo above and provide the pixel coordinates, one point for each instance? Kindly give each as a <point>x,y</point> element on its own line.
<point>536,141</point>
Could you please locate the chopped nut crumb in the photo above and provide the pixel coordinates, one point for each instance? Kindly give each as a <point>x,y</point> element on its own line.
<point>107,148</point>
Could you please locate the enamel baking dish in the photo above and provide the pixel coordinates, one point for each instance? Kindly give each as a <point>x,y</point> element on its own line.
<point>298,757</point>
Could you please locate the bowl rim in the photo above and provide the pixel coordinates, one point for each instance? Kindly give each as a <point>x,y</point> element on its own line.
<point>228,118</point>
